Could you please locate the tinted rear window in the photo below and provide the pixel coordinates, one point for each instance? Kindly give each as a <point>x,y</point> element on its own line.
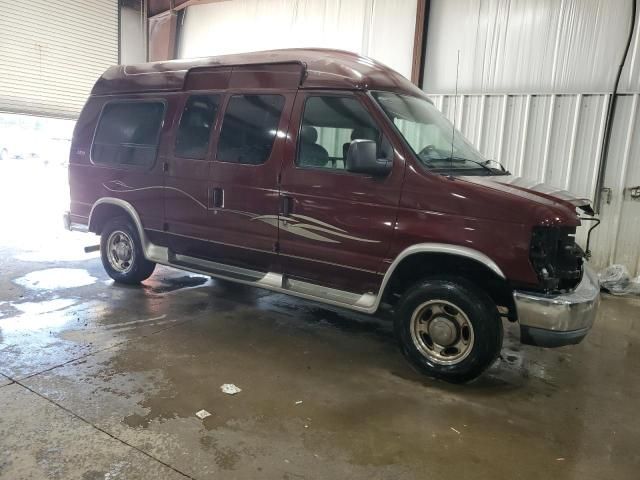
<point>128,133</point>
<point>195,126</point>
<point>249,128</point>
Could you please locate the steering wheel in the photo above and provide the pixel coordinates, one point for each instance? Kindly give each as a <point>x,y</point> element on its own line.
<point>426,151</point>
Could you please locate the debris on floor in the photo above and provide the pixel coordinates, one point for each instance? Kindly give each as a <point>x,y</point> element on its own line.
<point>230,389</point>
<point>202,414</point>
<point>617,281</point>
<point>299,402</point>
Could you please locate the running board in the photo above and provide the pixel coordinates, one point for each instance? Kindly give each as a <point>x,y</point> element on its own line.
<point>328,294</point>
<point>228,272</point>
<point>273,281</point>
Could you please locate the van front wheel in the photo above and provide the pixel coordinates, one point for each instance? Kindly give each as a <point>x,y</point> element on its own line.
<point>121,252</point>
<point>449,329</point>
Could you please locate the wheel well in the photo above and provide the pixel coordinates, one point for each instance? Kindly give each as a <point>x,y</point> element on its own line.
<point>103,213</point>
<point>420,265</point>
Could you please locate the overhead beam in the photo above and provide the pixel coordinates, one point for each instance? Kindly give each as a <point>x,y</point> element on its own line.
<point>420,42</point>
<point>163,33</point>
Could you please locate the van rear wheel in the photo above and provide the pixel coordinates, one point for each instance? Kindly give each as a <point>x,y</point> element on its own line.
<point>449,329</point>
<point>122,254</point>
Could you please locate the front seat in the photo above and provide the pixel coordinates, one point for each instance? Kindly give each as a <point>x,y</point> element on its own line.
<point>311,154</point>
<point>359,133</point>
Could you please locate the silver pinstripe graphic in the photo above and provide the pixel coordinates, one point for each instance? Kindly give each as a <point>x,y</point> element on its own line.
<point>308,230</point>
<point>265,251</point>
<point>124,188</point>
<point>310,219</point>
<point>314,230</point>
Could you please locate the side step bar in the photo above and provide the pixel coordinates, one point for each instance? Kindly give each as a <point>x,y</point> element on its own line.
<point>272,281</point>
<point>219,269</point>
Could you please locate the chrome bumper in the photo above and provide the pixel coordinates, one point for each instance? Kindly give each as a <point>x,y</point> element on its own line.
<point>557,320</point>
<point>73,227</point>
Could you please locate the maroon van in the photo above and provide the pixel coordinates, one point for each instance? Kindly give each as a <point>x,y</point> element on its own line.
<point>330,177</point>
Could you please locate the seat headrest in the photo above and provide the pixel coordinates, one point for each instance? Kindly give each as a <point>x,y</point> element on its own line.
<point>363,133</point>
<point>309,134</point>
<point>198,118</point>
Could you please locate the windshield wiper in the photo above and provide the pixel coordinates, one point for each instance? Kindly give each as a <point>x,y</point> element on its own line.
<point>483,165</point>
<point>462,159</point>
<point>504,170</point>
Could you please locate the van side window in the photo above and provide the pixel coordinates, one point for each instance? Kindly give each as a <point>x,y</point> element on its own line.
<point>249,128</point>
<point>128,133</point>
<point>196,123</point>
<point>328,126</point>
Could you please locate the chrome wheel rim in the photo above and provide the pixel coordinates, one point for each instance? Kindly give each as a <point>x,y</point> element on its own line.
<point>442,332</point>
<point>120,251</point>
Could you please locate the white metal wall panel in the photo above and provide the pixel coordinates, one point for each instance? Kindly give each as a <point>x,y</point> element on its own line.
<point>528,46</point>
<point>630,78</point>
<point>551,138</point>
<point>381,29</point>
<point>133,47</point>
<point>52,51</point>
<point>620,229</point>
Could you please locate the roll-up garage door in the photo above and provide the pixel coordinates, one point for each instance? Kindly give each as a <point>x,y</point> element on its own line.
<point>52,51</point>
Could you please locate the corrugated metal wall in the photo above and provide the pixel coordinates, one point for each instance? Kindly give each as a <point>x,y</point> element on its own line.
<point>381,29</point>
<point>52,51</point>
<point>534,84</point>
<point>133,32</point>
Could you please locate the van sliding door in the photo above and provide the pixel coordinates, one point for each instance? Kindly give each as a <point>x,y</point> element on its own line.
<point>244,179</point>
<point>187,176</point>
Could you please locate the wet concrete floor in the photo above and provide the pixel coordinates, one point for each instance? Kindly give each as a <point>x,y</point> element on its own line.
<point>103,381</point>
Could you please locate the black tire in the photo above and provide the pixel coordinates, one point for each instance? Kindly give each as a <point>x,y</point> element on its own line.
<point>447,308</point>
<point>129,269</point>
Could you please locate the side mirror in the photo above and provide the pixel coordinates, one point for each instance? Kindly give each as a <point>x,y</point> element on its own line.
<point>362,157</point>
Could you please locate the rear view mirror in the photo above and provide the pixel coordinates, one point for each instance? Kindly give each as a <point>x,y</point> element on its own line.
<point>362,157</point>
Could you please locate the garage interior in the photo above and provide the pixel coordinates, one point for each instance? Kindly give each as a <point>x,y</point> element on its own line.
<point>100,380</point>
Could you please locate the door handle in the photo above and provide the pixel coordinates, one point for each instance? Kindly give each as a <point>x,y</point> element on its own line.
<point>216,197</point>
<point>286,206</point>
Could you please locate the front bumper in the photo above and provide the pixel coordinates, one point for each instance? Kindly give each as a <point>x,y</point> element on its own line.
<point>562,319</point>
<point>71,226</point>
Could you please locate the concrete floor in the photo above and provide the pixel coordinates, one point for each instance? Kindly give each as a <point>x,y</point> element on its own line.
<point>103,381</point>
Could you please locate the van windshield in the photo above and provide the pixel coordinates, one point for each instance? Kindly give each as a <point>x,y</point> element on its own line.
<point>432,137</point>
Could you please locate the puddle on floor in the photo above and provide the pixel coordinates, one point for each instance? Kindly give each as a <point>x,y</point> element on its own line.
<point>43,307</point>
<point>51,316</point>
<point>56,278</point>
<point>55,255</point>
<point>43,321</point>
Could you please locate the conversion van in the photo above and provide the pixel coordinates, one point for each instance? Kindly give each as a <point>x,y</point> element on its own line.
<point>328,176</point>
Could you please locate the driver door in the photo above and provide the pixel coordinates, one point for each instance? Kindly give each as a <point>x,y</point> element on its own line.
<point>336,226</point>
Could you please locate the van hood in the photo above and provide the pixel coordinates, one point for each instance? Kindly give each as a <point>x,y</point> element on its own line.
<point>531,189</point>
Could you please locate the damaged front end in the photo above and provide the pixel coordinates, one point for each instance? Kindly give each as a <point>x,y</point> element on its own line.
<point>556,258</point>
<point>563,309</point>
